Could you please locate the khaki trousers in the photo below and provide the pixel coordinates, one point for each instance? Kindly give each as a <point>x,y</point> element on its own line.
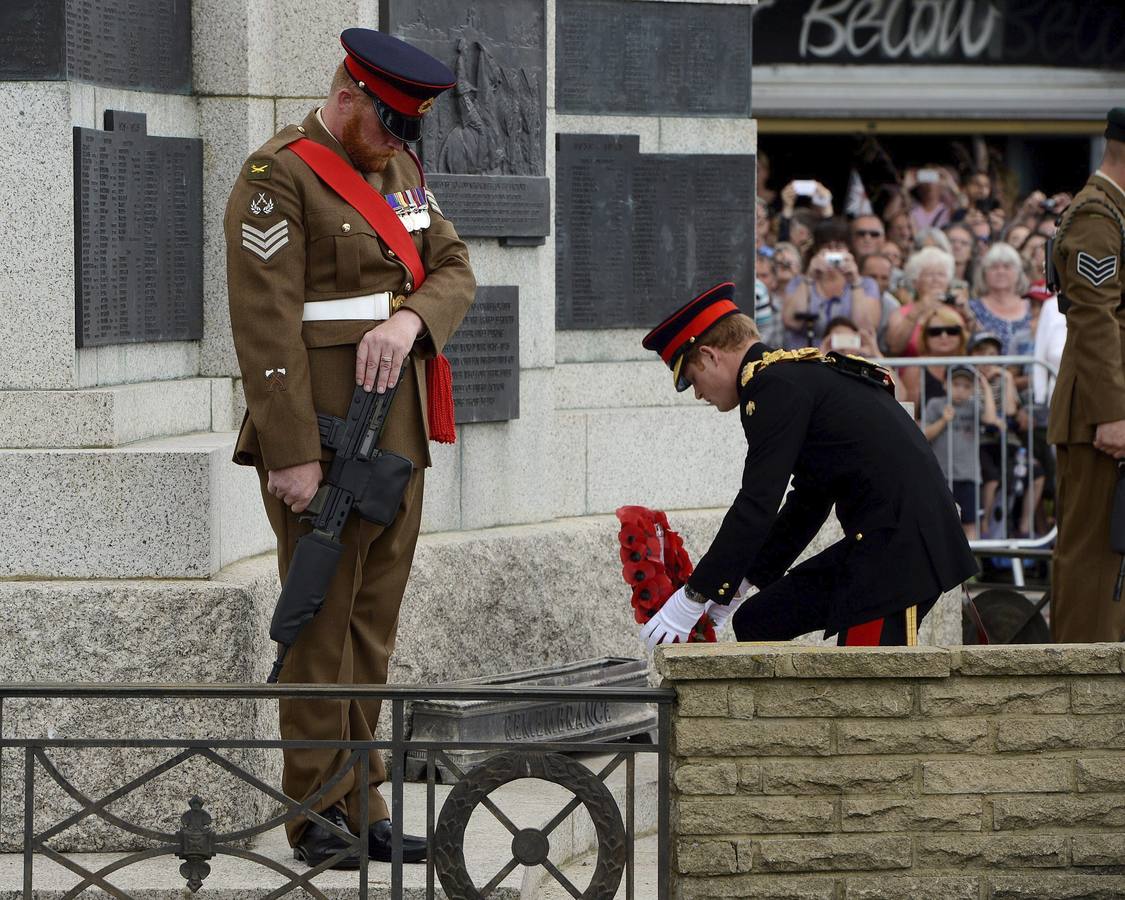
<point>350,641</point>
<point>1085,568</point>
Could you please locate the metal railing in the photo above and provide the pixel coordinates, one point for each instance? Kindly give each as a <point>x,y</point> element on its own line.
<point>1013,484</point>
<point>196,842</point>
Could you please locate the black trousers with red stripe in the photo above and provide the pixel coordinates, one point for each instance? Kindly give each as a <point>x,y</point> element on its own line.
<point>798,603</point>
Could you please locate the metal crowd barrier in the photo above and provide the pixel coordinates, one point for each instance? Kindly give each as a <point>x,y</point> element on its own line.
<point>1002,537</point>
<point>197,842</point>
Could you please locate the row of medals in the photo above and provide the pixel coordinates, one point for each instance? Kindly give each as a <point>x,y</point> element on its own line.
<point>411,208</point>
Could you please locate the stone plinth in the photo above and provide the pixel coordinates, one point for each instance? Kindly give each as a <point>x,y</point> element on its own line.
<point>898,772</point>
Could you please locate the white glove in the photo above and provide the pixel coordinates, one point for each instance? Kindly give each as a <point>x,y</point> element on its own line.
<point>720,613</point>
<point>674,621</point>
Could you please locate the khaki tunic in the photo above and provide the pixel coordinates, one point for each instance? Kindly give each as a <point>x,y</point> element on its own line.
<point>1090,390</point>
<point>292,239</point>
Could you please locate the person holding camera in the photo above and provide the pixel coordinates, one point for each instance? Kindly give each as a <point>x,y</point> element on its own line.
<point>929,274</point>
<point>842,335</point>
<point>833,288</point>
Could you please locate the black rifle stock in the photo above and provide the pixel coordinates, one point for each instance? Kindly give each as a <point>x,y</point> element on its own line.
<point>361,477</point>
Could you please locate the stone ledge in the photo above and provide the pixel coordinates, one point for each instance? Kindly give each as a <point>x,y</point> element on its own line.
<point>716,662</point>
<point>1041,659</point>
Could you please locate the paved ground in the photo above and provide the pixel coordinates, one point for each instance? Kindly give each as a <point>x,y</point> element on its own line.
<point>488,846</point>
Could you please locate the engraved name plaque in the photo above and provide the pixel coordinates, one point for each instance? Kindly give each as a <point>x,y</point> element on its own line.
<point>637,235</point>
<point>484,142</point>
<point>624,56</point>
<point>118,43</point>
<point>138,242</point>
<point>485,357</point>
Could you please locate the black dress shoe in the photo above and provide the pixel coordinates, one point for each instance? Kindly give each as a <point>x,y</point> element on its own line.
<point>318,843</point>
<point>379,844</point>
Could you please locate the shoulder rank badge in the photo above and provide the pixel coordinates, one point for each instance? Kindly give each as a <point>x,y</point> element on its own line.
<point>412,208</point>
<point>258,170</point>
<point>1094,270</point>
<point>774,356</point>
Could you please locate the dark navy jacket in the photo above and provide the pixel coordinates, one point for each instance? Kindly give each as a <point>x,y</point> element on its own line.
<point>846,442</point>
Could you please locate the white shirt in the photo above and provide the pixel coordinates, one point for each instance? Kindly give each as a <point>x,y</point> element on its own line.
<point>1050,338</point>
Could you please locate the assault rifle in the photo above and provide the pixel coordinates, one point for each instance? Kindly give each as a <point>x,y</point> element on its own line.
<point>361,477</point>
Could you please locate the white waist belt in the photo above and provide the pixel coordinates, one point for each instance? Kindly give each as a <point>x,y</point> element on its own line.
<point>369,306</point>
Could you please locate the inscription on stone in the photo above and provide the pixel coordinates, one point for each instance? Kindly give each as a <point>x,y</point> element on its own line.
<point>117,43</point>
<point>485,357</point>
<point>652,58</point>
<point>138,234</point>
<point>637,234</point>
<point>491,125</point>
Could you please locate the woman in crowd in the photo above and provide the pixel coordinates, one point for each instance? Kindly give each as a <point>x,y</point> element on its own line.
<point>787,264</point>
<point>999,305</point>
<point>833,287</point>
<point>943,333</point>
<point>932,237</point>
<point>929,273</point>
<point>962,244</point>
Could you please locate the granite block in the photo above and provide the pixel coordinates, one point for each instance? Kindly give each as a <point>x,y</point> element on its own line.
<point>622,385</point>
<point>231,129</point>
<point>441,509</point>
<point>36,243</point>
<point>220,38</point>
<point>136,631</point>
<point>635,451</point>
<point>223,403</point>
<point>163,508</point>
<point>304,48</point>
<point>711,135</point>
<point>569,462</point>
<point>602,345</point>
<point>105,417</point>
<point>533,270</point>
<point>169,115</point>
<point>646,128</point>
<point>505,465</point>
<point>133,363</point>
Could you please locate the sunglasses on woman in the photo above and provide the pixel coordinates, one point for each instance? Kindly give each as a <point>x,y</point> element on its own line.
<point>938,330</point>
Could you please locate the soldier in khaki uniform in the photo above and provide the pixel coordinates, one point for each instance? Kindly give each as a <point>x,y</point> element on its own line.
<point>319,304</point>
<point>1087,418</point>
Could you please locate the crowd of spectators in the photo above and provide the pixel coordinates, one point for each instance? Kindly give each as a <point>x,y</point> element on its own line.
<point>930,264</point>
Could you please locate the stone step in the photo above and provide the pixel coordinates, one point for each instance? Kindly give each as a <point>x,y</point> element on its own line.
<point>116,415</point>
<point>171,507</point>
<point>488,848</point>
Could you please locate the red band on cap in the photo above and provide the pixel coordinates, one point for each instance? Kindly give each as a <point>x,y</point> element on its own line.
<point>398,100</point>
<point>697,326</point>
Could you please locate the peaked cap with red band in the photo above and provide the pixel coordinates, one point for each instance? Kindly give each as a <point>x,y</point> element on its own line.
<point>401,77</point>
<point>676,335</point>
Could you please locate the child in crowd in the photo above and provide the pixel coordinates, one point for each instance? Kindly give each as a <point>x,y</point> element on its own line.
<point>952,424</point>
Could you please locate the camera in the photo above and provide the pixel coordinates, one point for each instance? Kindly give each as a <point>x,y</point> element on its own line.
<point>1048,205</point>
<point>928,176</point>
<point>844,341</point>
<point>950,298</point>
<point>804,187</point>
<point>836,260</point>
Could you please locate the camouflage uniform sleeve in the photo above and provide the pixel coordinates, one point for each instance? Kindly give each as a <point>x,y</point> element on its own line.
<point>450,286</point>
<point>1093,284</point>
<point>265,237</point>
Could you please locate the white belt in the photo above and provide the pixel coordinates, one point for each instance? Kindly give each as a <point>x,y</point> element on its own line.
<point>370,306</point>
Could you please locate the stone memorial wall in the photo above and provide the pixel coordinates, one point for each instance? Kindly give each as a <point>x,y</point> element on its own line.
<point>484,356</point>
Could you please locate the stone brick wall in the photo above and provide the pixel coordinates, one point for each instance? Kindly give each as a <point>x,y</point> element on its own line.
<point>983,773</point>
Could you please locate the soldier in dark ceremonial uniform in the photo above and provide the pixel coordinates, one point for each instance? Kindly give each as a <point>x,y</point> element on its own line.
<point>320,302</point>
<point>1087,417</point>
<point>831,423</point>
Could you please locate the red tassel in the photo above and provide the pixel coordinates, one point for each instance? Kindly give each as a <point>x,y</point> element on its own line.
<point>439,405</point>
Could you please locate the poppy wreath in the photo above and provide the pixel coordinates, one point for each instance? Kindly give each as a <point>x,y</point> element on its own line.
<point>655,565</point>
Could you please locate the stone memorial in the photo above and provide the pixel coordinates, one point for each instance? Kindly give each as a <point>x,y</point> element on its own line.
<point>636,233</point>
<point>138,234</point>
<point>485,357</point>
<point>106,42</point>
<point>652,58</point>
<point>484,142</point>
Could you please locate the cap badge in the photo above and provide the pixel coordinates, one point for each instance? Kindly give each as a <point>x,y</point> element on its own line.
<point>426,106</point>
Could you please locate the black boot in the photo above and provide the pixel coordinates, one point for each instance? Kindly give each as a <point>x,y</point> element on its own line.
<point>318,843</point>
<point>379,844</point>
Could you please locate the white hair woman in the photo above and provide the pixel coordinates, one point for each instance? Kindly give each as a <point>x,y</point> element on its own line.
<point>928,276</point>
<point>999,305</point>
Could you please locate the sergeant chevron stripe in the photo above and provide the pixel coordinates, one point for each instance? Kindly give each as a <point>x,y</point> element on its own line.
<point>265,243</point>
<point>1096,271</point>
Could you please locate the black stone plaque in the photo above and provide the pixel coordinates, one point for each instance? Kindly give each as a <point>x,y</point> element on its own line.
<point>485,356</point>
<point>622,56</point>
<point>142,45</point>
<point>1073,33</point>
<point>515,721</point>
<point>138,242</point>
<point>492,124</point>
<point>638,235</point>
